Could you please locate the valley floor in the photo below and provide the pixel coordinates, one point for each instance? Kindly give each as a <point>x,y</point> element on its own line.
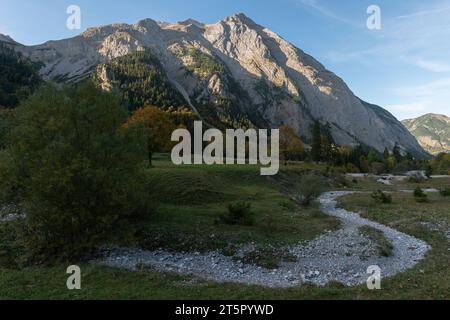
<point>190,199</point>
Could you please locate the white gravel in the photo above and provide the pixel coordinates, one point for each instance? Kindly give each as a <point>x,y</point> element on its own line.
<point>342,255</point>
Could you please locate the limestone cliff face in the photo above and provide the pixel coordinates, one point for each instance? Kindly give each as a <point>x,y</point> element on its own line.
<point>238,64</point>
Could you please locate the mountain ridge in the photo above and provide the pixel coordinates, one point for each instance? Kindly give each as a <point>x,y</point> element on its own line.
<point>262,76</point>
<point>432,131</point>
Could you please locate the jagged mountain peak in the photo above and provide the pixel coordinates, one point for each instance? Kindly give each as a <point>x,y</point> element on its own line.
<point>241,17</point>
<point>192,22</point>
<point>104,30</point>
<point>239,68</point>
<point>148,24</point>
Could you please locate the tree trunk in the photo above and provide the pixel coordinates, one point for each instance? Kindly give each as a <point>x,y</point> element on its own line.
<point>149,154</point>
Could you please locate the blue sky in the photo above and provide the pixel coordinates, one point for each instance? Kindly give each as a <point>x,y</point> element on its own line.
<point>404,67</point>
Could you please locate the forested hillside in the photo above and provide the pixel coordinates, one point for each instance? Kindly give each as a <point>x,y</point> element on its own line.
<point>19,77</point>
<point>141,79</point>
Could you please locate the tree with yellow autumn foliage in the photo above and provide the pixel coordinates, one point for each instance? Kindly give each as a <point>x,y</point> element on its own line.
<point>153,129</point>
<point>291,146</point>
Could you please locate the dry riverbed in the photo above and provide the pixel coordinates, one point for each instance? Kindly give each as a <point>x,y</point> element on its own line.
<point>343,256</point>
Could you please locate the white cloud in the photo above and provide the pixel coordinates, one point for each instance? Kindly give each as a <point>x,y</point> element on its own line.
<point>424,13</point>
<point>315,4</point>
<point>435,66</point>
<point>433,96</point>
<point>418,39</point>
<point>438,88</point>
<point>419,106</point>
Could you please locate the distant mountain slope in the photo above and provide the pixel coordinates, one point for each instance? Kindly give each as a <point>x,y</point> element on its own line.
<point>236,71</point>
<point>432,131</point>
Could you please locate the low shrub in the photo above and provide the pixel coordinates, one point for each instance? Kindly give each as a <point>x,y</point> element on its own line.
<point>381,197</point>
<point>416,178</point>
<point>340,180</point>
<point>268,257</point>
<point>239,213</point>
<point>385,247</point>
<point>420,196</point>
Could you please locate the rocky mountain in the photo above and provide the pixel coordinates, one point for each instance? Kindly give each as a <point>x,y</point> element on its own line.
<point>7,39</point>
<point>432,131</point>
<point>234,72</point>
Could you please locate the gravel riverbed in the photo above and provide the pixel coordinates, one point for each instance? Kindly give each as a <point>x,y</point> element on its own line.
<point>343,255</point>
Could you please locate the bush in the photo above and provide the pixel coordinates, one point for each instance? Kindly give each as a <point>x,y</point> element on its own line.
<point>445,192</point>
<point>238,214</point>
<point>381,197</point>
<point>420,196</point>
<point>310,187</point>
<point>71,170</point>
<point>268,257</point>
<point>416,178</point>
<point>340,180</point>
<point>385,247</point>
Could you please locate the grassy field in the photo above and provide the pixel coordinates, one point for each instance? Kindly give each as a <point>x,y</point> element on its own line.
<point>188,201</point>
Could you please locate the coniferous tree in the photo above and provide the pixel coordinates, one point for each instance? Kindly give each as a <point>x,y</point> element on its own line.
<point>396,153</point>
<point>142,80</point>
<point>327,143</point>
<point>19,77</point>
<point>386,154</point>
<point>316,146</point>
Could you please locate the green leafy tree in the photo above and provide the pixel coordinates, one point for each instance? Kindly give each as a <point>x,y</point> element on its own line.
<point>372,156</point>
<point>6,116</point>
<point>71,170</point>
